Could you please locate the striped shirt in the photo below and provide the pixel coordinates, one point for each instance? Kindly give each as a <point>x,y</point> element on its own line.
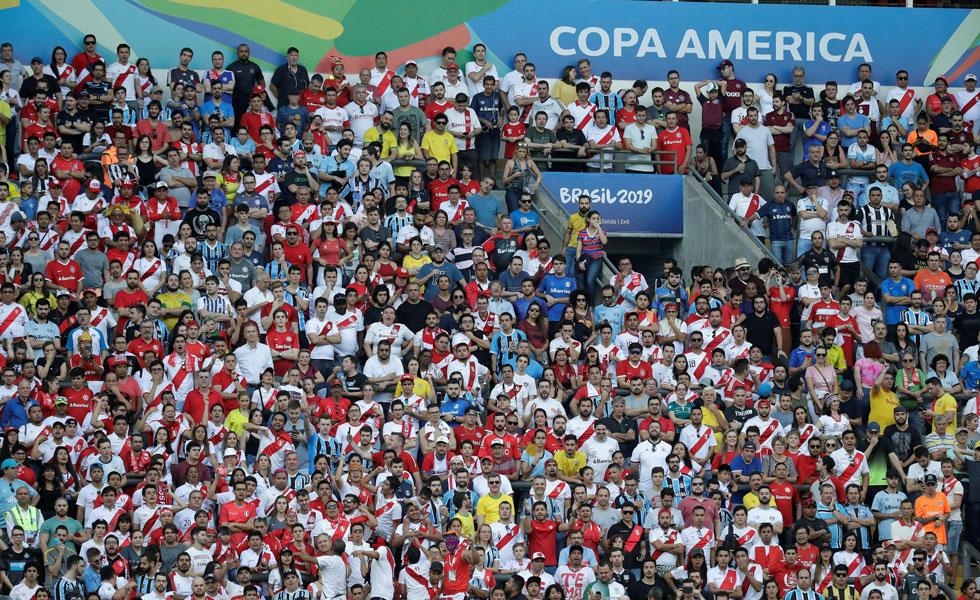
<point>291,299</point>
<point>875,220</point>
<point>66,589</point>
<point>798,594</point>
<point>591,244</point>
<point>827,512</point>
<point>219,305</point>
<point>916,318</point>
<point>213,255</point>
<point>964,287</point>
<point>276,270</point>
<point>394,223</point>
<point>299,594</point>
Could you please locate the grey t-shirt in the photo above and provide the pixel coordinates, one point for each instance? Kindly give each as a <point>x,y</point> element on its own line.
<point>933,344</point>
<point>243,273</point>
<point>181,194</point>
<point>168,556</point>
<point>253,201</point>
<point>93,266</point>
<point>606,518</point>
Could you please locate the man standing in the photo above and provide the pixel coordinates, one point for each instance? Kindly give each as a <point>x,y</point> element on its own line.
<point>733,99</point>
<point>247,75</point>
<point>760,147</point>
<point>287,78</point>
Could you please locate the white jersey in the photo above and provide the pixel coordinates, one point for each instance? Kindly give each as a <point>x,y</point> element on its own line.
<point>361,119</point>
<point>504,538</point>
<point>971,115</point>
<point>463,122</point>
<point>13,322</point>
<point>598,455</point>
<point>397,334</point>
<point>416,88</point>
<point>383,574</point>
<point>583,114</point>
<point>906,100</point>
<point>333,117</point>
<point>475,87</point>
<point>118,74</point>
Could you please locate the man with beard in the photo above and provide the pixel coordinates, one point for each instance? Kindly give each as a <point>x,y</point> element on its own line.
<point>199,217</point>
<point>903,439</point>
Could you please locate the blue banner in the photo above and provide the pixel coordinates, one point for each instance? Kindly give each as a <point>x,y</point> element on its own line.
<point>628,204</point>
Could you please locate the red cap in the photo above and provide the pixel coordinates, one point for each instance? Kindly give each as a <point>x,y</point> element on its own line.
<point>401,272</point>
<point>763,401</point>
<point>407,377</point>
<point>336,381</point>
<point>117,360</point>
<point>258,89</point>
<point>299,153</point>
<point>452,66</point>
<point>126,183</point>
<point>90,291</point>
<point>336,61</point>
<point>54,183</point>
<point>94,185</point>
<point>193,324</point>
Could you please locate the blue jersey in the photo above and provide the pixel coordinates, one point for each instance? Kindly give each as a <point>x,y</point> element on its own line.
<point>455,407</point>
<point>827,512</point>
<point>504,346</point>
<point>665,295</point>
<point>558,288</point>
<point>900,172</point>
<point>902,287</point>
<point>612,314</point>
<point>780,217</point>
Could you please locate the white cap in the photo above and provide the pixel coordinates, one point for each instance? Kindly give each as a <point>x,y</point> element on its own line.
<point>231,452</point>
<point>442,440</point>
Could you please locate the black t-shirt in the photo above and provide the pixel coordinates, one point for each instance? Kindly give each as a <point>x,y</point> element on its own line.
<point>247,76</point>
<point>413,315</point>
<point>823,261</point>
<point>903,442</point>
<point>29,87</point>
<point>632,559</point>
<point>815,524</point>
<point>759,330</point>
<point>799,110</point>
<point>733,413</point>
<point>200,219</point>
<point>185,77</point>
<point>575,137</point>
<point>72,121</point>
<point>293,177</point>
<point>831,111</point>
<point>969,326</point>
<point>12,563</point>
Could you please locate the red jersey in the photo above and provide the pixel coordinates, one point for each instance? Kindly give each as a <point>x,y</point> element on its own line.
<point>79,403</point>
<point>434,108</point>
<point>253,122</point>
<point>194,404</point>
<point>281,342</point>
<point>807,557</point>
<point>847,345</point>
<point>126,299</point>
<point>439,192</point>
<point>139,346</point>
<point>627,370</point>
<point>60,163</point>
<point>786,497</point>
<point>231,513</point>
<point>542,539</point>
<point>514,130</point>
<point>67,275</point>
<point>475,435</point>
<point>298,255</point>
<point>676,141</point>
<point>311,100</point>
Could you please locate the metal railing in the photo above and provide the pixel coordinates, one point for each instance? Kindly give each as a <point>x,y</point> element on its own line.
<point>724,205</point>
<point>601,158</point>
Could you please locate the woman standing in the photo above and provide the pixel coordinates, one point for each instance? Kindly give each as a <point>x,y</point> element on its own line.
<point>589,253</point>
<point>520,175</point>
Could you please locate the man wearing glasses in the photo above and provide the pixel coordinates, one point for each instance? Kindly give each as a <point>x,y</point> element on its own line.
<point>488,507</point>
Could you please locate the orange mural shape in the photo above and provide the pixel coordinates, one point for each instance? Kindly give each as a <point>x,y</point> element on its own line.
<point>458,37</point>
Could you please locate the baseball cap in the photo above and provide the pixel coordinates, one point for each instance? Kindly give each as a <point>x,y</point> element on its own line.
<point>832,173</point>
<point>161,185</point>
<point>749,445</point>
<point>36,59</point>
<point>17,216</point>
<point>538,556</point>
<point>941,78</point>
<point>763,401</point>
<point>848,193</point>
<point>443,440</point>
<point>946,98</point>
<point>900,409</point>
<point>809,503</point>
<point>930,478</point>
<point>90,291</point>
<point>94,185</point>
<point>336,381</point>
<point>847,384</point>
<point>407,377</point>
<point>209,174</point>
<point>8,463</point>
<point>61,400</point>
<point>496,442</point>
<point>127,183</point>
<point>115,361</point>
<point>411,62</point>
<point>746,181</point>
<point>401,272</point>
<point>231,452</point>
<point>969,77</point>
<point>549,461</point>
<point>452,66</point>
<point>696,552</point>
<point>725,63</point>
<point>874,427</point>
<point>215,577</point>
<point>438,247</point>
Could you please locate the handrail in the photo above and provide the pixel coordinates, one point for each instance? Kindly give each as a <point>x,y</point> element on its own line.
<point>600,157</point>
<point>724,205</point>
<point>556,205</point>
<point>968,553</point>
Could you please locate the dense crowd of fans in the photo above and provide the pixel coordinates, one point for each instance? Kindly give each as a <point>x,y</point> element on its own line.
<point>283,339</point>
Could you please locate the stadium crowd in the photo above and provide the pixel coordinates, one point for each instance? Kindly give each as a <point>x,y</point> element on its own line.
<point>284,339</point>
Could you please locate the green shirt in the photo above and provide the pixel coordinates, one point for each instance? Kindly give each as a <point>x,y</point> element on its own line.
<point>51,524</point>
<point>540,137</point>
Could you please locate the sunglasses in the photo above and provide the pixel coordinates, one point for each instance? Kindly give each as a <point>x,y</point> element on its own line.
<point>819,354</point>
<point>90,42</point>
<point>908,360</point>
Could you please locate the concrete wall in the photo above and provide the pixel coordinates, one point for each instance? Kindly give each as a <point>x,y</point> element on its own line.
<point>711,236</point>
